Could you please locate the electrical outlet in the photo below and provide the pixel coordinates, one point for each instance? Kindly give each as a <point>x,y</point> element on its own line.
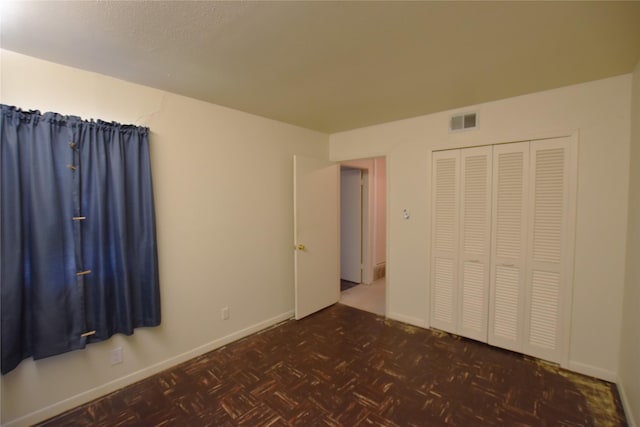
<point>115,356</point>
<point>224,313</point>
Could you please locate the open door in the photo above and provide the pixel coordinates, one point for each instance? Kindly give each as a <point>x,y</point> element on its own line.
<point>316,213</point>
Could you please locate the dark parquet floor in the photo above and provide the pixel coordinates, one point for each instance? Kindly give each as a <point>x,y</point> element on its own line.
<point>346,367</point>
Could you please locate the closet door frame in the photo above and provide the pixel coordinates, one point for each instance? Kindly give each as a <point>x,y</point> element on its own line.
<point>568,250</point>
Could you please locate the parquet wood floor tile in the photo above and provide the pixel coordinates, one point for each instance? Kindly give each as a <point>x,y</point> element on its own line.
<point>346,367</point>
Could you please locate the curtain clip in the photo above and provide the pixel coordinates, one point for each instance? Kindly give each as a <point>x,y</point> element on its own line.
<point>79,218</point>
<point>83,273</point>
<point>86,334</point>
<point>73,168</point>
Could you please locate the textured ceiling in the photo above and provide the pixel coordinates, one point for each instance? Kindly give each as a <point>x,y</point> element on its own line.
<point>333,66</point>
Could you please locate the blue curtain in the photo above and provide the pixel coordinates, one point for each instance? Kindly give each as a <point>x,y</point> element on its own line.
<point>78,252</point>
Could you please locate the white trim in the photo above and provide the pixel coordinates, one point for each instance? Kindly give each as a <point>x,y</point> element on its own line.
<point>429,224</point>
<point>626,404</point>
<point>502,138</point>
<point>387,233</point>
<point>415,321</point>
<point>366,222</point>
<point>592,371</point>
<point>570,247</point>
<point>103,389</point>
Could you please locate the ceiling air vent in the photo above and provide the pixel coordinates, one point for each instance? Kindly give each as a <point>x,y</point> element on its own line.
<point>463,122</point>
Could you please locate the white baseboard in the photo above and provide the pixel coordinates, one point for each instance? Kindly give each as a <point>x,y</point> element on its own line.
<point>592,371</point>
<point>415,321</point>
<point>626,404</point>
<point>94,393</point>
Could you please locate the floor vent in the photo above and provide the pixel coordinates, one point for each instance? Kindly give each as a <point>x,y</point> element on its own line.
<point>465,121</point>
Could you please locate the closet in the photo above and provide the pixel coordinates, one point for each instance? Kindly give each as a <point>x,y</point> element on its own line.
<point>502,244</point>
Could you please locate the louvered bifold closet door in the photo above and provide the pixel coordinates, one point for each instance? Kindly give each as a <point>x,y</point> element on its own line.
<point>508,245</point>
<point>444,239</point>
<point>547,248</point>
<point>475,240</point>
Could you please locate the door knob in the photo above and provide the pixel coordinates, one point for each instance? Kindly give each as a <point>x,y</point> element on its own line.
<point>300,247</point>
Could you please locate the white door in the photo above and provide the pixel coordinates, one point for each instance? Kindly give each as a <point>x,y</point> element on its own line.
<point>509,234</point>
<point>444,240</point>
<point>475,242</point>
<point>461,241</point>
<point>351,225</point>
<point>548,250</point>
<point>316,234</point>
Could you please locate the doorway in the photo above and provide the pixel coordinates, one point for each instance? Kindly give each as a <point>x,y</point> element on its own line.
<point>363,234</point>
<point>351,225</point>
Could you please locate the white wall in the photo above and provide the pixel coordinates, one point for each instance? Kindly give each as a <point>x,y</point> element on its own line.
<point>599,111</point>
<point>224,200</point>
<point>629,375</point>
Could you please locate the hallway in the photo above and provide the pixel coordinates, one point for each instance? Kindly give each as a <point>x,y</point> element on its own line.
<point>369,298</point>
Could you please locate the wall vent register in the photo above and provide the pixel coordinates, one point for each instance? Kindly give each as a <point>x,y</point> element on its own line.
<point>465,121</point>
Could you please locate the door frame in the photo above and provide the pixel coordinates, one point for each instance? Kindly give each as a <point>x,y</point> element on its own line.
<point>368,232</point>
<point>361,225</point>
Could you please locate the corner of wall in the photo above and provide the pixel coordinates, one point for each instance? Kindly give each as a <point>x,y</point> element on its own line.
<point>628,379</point>
<point>626,404</point>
